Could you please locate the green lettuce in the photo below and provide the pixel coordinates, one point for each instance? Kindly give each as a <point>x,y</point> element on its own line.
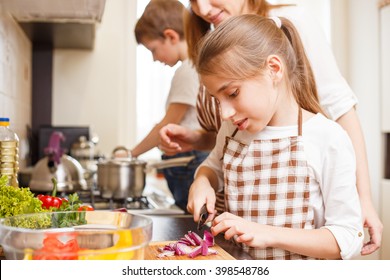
<point>16,201</point>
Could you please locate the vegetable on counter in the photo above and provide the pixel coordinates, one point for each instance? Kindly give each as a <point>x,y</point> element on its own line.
<point>86,208</point>
<point>54,249</point>
<point>51,201</point>
<point>54,203</point>
<point>191,244</point>
<point>15,201</point>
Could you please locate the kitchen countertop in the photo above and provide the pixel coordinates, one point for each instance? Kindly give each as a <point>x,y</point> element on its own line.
<point>173,227</point>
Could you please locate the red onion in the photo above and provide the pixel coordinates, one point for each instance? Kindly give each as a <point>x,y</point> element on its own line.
<point>183,246</point>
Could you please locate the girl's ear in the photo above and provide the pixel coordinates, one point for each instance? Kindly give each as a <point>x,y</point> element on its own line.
<point>275,67</point>
<point>172,36</point>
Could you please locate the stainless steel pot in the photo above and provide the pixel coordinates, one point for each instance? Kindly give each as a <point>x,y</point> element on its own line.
<point>120,178</point>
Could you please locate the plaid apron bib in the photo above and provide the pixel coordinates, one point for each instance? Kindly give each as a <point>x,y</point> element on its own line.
<point>268,182</point>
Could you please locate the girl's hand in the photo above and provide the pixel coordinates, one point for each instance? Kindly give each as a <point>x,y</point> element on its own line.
<point>249,233</point>
<point>175,139</point>
<point>201,193</point>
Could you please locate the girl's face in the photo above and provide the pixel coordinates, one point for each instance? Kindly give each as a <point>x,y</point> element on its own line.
<point>162,50</point>
<point>248,104</point>
<point>216,11</point>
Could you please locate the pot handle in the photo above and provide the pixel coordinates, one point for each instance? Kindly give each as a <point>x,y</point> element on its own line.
<point>167,163</point>
<point>121,148</point>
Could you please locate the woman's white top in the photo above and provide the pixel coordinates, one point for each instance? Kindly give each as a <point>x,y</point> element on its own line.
<point>331,162</point>
<point>336,97</point>
<point>184,89</point>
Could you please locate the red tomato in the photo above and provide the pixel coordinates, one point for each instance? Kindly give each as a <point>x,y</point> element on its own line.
<point>86,208</point>
<point>53,249</point>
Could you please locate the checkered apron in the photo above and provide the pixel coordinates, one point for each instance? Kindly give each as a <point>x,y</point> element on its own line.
<point>268,182</point>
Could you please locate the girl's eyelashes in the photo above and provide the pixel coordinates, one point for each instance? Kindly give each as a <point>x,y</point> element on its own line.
<point>234,94</point>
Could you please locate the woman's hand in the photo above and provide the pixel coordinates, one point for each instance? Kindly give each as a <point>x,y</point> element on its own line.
<point>375,229</point>
<point>176,139</point>
<point>247,232</point>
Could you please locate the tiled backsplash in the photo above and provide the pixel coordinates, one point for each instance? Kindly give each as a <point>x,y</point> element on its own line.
<point>15,80</point>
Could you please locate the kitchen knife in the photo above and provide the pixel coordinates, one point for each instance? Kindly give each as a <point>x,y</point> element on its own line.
<point>202,217</point>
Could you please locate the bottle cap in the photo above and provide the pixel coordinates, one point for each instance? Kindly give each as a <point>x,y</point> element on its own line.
<point>4,121</point>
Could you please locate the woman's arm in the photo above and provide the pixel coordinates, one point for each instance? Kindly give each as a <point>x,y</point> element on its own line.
<point>350,123</point>
<point>175,113</point>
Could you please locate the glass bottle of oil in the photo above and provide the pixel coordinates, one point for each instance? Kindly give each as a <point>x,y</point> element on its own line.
<point>9,152</point>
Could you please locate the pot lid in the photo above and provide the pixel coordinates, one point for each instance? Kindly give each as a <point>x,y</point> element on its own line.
<point>122,161</point>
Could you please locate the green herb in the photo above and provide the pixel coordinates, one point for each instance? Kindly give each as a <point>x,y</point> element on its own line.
<point>72,204</point>
<point>70,219</point>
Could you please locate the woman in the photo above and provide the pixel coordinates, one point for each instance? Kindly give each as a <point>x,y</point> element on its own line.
<point>336,97</point>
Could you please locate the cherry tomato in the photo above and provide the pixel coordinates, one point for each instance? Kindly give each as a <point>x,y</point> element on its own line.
<point>86,208</point>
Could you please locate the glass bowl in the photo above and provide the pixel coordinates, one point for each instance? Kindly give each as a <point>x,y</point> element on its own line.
<point>75,235</point>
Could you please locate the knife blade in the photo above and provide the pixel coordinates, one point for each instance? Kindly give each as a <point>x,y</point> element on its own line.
<point>202,216</point>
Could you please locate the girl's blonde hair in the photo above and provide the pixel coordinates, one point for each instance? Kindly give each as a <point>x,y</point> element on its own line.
<point>195,27</point>
<point>240,46</point>
<point>160,15</point>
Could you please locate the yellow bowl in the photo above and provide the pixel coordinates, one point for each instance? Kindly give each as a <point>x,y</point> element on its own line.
<point>90,235</point>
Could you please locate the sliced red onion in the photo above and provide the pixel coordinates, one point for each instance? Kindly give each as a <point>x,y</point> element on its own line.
<point>205,248</point>
<point>183,246</point>
<point>211,251</point>
<point>208,238</point>
<point>184,241</point>
<point>195,252</point>
<point>189,238</point>
<point>166,254</point>
<point>197,239</point>
<point>183,249</point>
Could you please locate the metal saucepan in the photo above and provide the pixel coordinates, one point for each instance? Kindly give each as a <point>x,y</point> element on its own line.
<point>120,178</point>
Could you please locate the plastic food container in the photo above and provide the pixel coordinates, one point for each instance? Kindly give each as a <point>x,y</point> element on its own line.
<point>89,235</point>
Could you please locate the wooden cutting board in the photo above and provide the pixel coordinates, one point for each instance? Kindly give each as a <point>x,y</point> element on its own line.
<point>152,251</point>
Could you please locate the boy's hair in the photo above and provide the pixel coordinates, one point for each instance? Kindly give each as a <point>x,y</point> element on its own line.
<point>239,49</point>
<point>158,16</point>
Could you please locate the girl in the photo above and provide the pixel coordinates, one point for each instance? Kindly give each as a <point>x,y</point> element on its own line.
<point>336,97</point>
<point>288,172</point>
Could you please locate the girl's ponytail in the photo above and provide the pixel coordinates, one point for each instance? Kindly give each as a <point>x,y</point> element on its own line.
<point>301,77</point>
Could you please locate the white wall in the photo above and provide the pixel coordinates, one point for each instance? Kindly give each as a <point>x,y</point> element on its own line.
<point>97,87</point>
<point>355,37</point>
<point>15,80</point>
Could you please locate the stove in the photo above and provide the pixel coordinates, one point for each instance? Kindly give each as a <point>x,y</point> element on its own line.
<point>150,204</point>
